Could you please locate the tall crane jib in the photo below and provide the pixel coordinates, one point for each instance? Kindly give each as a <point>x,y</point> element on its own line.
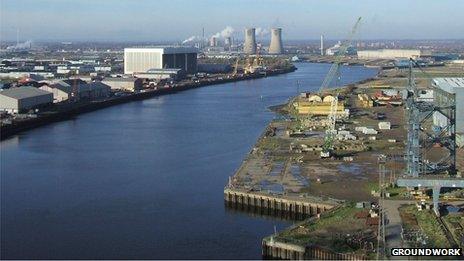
<point>334,74</point>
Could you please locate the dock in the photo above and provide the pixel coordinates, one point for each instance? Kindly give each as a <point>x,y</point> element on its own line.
<point>299,207</point>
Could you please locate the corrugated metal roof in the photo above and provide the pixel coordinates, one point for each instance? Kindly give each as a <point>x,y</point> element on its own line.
<point>23,92</point>
<point>450,81</point>
<point>82,87</point>
<point>163,49</point>
<point>120,79</point>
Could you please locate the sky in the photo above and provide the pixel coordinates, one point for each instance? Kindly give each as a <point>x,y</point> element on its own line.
<point>176,20</point>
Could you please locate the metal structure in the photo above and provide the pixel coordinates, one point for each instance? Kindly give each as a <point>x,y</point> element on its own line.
<point>74,94</point>
<point>249,47</point>
<point>322,45</point>
<point>334,74</point>
<point>276,46</point>
<point>422,136</point>
<point>236,66</point>
<point>381,245</point>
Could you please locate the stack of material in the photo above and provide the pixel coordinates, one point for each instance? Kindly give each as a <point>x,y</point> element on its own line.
<point>369,131</point>
<point>384,125</point>
<point>366,130</point>
<point>365,101</point>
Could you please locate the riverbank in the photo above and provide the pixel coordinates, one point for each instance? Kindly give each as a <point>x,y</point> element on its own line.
<point>376,126</point>
<point>71,111</point>
<point>384,64</point>
<point>143,167</point>
<point>286,163</point>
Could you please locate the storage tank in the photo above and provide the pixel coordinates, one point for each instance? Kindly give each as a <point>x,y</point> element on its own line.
<point>315,98</point>
<point>328,98</point>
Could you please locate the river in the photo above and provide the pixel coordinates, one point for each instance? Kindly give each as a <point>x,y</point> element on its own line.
<point>144,179</point>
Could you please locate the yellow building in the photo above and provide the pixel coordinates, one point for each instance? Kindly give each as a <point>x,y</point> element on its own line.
<point>319,108</point>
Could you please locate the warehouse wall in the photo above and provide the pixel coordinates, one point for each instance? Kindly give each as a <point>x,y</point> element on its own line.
<point>185,61</point>
<point>141,61</point>
<point>33,102</point>
<point>8,103</point>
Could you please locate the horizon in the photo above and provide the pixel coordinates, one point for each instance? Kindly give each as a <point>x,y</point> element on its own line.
<point>175,42</point>
<point>126,21</point>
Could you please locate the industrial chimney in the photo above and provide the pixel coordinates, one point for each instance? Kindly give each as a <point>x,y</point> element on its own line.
<point>322,45</point>
<point>228,41</point>
<point>276,46</point>
<point>213,41</point>
<point>250,41</point>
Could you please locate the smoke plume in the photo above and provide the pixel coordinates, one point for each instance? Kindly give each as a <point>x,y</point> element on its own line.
<point>261,32</point>
<point>226,32</point>
<point>191,39</point>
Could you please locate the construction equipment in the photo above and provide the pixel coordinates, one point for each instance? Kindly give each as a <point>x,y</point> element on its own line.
<point>381,245</point>
<point>420,170</point>
<point>334,74</point>
<point>236,66</point>
<point>74,91</point>
<point>254,64</point>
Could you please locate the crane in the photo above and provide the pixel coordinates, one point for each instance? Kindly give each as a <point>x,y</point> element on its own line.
<point>236,66</point>
<point>334,73</point>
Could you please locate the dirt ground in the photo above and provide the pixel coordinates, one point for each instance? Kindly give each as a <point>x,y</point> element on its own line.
<point>352,178</point>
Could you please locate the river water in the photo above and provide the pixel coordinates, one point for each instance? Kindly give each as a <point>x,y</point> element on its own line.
<point>144,179</point>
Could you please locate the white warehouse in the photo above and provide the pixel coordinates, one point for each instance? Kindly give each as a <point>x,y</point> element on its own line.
<point>456,86</point>
<point>142,59</point>
<point>389,54</point>
<point>20,99</point>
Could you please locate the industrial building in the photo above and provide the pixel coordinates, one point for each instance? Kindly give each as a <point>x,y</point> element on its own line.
<point>21,99</point>
<point>213,41</point>
<point>276,46</point>
<point>214,68</point>
<point>62,91</point>
<point>142,59</point>
<point>249,47</point>
<point>456,86</point>
<point>334,50</point>
<point>127,84</point>
<point>389,54</point>
<point>161,74</point>
<point>319,106</point>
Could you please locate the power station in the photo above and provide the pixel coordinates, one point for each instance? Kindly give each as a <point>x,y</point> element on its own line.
<point>276,46</point>
<point>249,46</point>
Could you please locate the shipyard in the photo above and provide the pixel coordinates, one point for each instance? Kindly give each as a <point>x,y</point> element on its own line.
<point>237,130</point>
<point>338,158</point>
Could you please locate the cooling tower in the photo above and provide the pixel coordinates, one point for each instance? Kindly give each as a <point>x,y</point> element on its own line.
<point>249,46</point>
<point>276,46</point>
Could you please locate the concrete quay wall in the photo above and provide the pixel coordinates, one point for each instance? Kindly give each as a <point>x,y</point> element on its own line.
<point>297,206</point>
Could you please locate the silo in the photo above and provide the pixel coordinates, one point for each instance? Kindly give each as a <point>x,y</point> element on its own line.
<point>249,46</point>
<point>276,46</point>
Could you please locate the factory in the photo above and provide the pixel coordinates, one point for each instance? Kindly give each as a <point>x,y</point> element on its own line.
<point>142,59</point>
<point>456,86</point>
<point>62,90</point>
<point>334,50</point>
<point>16,100</point>
<point>127,84</point>
<point>389,54</point>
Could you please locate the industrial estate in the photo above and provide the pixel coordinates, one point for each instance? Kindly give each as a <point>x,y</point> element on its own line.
<point>361,169</point>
